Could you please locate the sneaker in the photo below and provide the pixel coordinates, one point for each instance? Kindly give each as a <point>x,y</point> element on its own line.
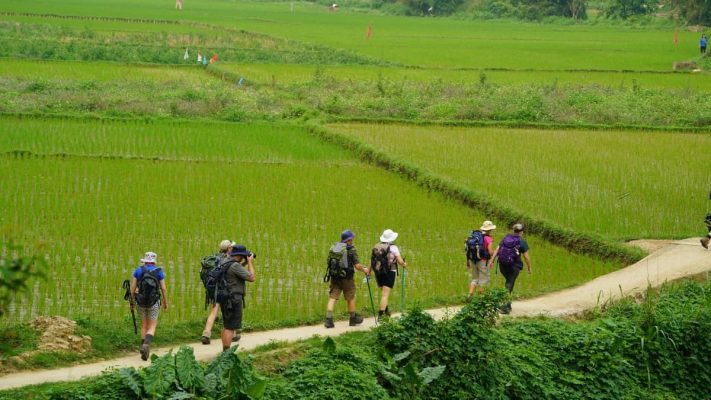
<point>355,320</point>
<point>236,337</point>
<point>506,309</point>
<point>145,352</point>
<point>205,339</point>
<point>329,323</point>
<point>705,242</point>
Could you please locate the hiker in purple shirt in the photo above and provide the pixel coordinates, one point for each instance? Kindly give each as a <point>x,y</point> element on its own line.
<point>509,252</point>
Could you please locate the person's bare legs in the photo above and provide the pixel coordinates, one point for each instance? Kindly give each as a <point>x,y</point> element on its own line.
<point>384,297</point>
<point>227,335</point>
<point>211,320</point>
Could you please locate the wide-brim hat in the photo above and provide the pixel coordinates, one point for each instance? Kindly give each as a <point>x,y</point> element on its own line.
<point>240,250</point>
<point>347,235</point>
<point>487,226</point>
<point>388,236</point>
<point>149,258</point>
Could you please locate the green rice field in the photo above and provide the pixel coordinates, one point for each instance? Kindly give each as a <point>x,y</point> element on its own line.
<point>619,184</point>
<point>102,193</point>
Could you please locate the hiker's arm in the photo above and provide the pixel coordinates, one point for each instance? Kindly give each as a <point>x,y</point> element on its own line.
<point>528,261</point>
<point>362,268</point>
<point>250,269</point>
<point>164,291</point>
<point>401,261</point>
<point>493,257</point>
<point>132,291</point>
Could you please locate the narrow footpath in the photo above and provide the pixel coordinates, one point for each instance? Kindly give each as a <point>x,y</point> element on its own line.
<point>672,261</point>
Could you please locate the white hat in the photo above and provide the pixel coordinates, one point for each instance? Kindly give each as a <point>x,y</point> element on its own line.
<point>149,258</point>
<point>487,226</point>
<point>226,244</point>
<point>388,236</point>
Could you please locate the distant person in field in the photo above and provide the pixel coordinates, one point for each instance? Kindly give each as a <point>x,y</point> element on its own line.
<point>238,270</point>
<point>178,4</point>
<point>208,264</point>
<point>384,260</point>
<point>702,44</point>
<point>479,248</point>
<point>333,7</point>
<point>342,263</point>
<point>509,253</point>
<point>705,240</point>
<point>147,285</point>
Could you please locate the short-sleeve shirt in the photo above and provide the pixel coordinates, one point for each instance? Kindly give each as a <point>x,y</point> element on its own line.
<point>138,273</point>
<point>236,276</point>
<point>488,240</point>
<point>703,41</point>
<point>393,254</point>
<point>522,248</point>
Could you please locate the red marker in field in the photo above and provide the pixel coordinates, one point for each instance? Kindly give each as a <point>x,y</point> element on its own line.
<point>676,38</point>
<point>368,32</point>
<point>214,58</point>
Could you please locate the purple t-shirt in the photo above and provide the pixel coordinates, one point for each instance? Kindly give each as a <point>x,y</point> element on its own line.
<point>150,267</point>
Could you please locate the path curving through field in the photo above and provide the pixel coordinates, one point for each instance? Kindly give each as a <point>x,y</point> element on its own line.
<point>671,261</point>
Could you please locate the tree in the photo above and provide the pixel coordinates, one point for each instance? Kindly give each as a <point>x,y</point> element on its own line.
<point>16,271</point>
<point>624,9</point>
<point>695,12</point>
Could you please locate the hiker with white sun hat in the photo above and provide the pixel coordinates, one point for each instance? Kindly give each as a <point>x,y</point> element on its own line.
<point>479,249</point>
<point>384,260</point>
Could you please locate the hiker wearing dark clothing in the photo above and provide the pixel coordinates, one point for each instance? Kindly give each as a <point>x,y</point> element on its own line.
<point>509,253</point>
<point>216,259</point>
<point>702,44</point>
<point>384,260</point>
<point>342,263</point>
<point>238,270</point>
<point>147,285</point>
<point>705,240</point>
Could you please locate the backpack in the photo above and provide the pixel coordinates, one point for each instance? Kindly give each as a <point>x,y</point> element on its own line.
<point>337,264</point>
<point>379,259</point>
<point>509,250</point>
<point>216,287</point>
<point>207,264</point>
<point>475,248</point>
<point>148,287</point>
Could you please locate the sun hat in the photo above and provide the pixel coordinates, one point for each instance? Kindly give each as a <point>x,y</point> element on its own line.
<point>518,227</point>
<point>226,244</point>
<point>388,236</point>
<point>240,250</point>
<point>149,258</point>
<point>487,226</point>
<point>347,235</point>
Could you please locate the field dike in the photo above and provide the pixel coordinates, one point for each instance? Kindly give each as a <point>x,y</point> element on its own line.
<point>580,243</point>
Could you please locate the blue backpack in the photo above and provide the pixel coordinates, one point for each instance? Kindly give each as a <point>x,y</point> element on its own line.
<point>476,250</point>
<point>509,250</point>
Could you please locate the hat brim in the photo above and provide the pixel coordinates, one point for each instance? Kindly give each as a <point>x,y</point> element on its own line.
<point>145,261</point>
<point>487,228</point>
<point>392,238</point>
<point>241,253</point>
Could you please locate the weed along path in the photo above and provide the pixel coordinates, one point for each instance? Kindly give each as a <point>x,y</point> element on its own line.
<point>671,261</point>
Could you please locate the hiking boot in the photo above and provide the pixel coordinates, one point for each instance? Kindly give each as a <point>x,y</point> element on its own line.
<point>236,337</point>
<point>506,309</point>
<point>145,352</point>
<point>205,339</point>
<point>355,320</point>
<point>329,323</point>
<point>705,242</point>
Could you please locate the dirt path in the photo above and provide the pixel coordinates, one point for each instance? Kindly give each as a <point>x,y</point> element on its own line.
<point>673,261</point>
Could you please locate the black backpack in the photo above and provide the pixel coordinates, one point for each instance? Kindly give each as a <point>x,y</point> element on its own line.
<point>216,285</point>
<point>337,266</point>
<point>475,248</point>
<point>207,264</point>
<point>379,260</point>
<point>148,287</point>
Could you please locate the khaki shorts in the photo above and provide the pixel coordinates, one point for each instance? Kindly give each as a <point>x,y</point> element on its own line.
<point>345,286</point>
<point>478,272</point>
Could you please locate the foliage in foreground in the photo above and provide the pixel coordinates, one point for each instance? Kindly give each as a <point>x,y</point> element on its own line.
<point>16,270</point>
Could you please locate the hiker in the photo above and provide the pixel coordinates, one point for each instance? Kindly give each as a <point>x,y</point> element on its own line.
<point>705,240</point>
<point>238,269</point>
<point>179,4</point>
<point>509,252</point>
<point>147,285</point>
<point>384,260</point>
<point>207,264</point>
<point>702,44</point>
<point>342,263</point>
<point>479,250</point>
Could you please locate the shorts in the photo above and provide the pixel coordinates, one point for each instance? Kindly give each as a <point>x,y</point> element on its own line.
<point>347,286</point>
<point>232,313</point>
<point>386,280</point>
<point>479,272</point>
<point>150,313</point>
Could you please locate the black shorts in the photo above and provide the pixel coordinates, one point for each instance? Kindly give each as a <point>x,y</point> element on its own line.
<point>386,279</point>
<point>232,313</point>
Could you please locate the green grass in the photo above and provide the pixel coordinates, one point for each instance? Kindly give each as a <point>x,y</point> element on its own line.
<point>278,190</point>
<point>619,184</point>
<point>439,42</point>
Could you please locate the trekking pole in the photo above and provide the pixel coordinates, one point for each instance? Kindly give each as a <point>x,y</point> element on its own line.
<point>402,290</point>
<point>127,296</point>
<point>370,293</point>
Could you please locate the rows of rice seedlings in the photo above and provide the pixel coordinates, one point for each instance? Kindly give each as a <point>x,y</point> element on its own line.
<point>280,74</point>
<point>98,216</point>
<point>620,184</point>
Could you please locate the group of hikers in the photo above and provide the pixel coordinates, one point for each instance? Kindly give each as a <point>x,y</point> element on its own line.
<point>226,273</point>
